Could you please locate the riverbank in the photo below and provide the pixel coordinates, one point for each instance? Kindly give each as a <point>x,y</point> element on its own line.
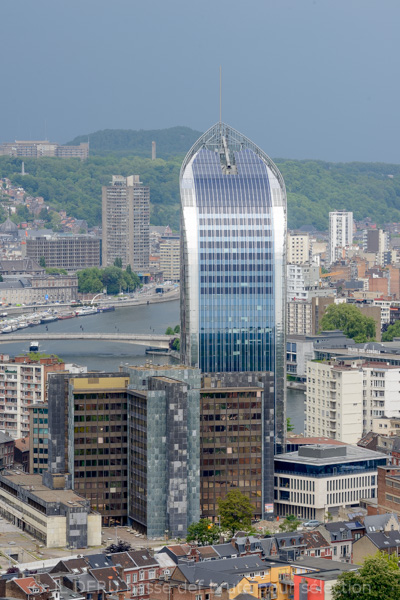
<point>117,302</point>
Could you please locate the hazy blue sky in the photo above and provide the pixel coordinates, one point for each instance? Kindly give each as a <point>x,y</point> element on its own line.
<point>301,78</point>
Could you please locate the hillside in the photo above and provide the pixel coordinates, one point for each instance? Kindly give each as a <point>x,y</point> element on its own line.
<point>314,188</point>
<point>125,142</point>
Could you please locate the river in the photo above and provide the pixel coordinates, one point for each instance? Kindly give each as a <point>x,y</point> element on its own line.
<point>108,356</point>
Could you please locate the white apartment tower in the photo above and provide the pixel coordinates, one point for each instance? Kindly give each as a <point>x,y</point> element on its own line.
<point>334,402</point>
<point>126,222</point>
<point>340,234</point>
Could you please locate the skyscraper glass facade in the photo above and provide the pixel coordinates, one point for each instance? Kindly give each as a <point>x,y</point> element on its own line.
<point>233,248</point>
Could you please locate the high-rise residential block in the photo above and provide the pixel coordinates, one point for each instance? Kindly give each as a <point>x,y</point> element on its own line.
<point>22,383</point>
<point>298,248</point>
<point>334,402</point>
<point>170,262</point>
<point>340,234</point>
<point>233,272</point>
<point>126,222</point>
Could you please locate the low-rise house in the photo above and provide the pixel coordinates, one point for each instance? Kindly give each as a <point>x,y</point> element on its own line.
<point>24,588</point>
<point>113,584</point>
<point>341,536</point>
<point>317,545</point>
<point>6,451</point>
<point>21,453</point>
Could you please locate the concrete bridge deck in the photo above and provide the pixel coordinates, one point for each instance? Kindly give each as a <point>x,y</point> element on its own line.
<point>154,340</point>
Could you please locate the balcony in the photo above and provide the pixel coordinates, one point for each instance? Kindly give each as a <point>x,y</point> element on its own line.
<point>286,579</point>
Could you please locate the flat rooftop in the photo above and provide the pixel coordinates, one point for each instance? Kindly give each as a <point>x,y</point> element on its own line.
<point>300,439</point>
<point>34,484</point>
<point>353,453</point>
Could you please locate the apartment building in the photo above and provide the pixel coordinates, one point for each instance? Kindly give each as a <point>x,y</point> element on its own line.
<point>170,262</point>
<point>298,248</point>
<point>40,148</point>
<point>340,234</point>
<point>302,280</point>
<point>70,252</point>
<point>299,320</point>
<point>22,383</point>
<point>126,222</point>
<point>334,401</point>
<point>322,478</point>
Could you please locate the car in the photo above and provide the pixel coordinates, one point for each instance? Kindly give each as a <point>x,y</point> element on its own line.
<point>312,523</point>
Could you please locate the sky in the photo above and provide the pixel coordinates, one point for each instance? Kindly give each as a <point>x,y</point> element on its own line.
<point>301,78</point>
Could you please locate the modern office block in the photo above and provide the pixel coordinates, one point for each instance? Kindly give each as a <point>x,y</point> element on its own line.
<point>88,440</point>
<point>164,449</point>
<point>126,222</point>
<point>231,431</point>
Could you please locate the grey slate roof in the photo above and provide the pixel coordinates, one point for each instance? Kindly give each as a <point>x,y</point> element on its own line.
<point>4,438</point>
<point>376,523</point>
<point>384,541</point>
<point>99,561</point>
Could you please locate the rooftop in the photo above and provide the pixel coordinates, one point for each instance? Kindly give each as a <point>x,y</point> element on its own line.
<point>327,456</point>
<point>33,484</point>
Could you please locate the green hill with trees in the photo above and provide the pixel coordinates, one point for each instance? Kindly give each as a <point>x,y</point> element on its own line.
<point>170,142</point>
<point>314,187</point>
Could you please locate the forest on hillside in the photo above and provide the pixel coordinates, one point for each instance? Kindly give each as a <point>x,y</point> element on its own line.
<point>314,187</point>
<point>128,142</point>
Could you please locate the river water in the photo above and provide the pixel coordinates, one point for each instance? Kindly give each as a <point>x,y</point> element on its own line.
<point>108,356</point>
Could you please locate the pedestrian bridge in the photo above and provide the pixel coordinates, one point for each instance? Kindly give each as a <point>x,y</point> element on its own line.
<point>154,340</point>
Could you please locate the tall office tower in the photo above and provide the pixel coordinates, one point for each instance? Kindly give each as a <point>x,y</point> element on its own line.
<point>126,222</point>
<point>340,234</point>
<point>233,243</point>
<point>88,439</point>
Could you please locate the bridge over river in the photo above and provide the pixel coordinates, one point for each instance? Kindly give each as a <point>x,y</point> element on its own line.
<point>154,340</point>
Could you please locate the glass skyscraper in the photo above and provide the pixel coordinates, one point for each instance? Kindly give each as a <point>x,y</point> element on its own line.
<point>233,233</point>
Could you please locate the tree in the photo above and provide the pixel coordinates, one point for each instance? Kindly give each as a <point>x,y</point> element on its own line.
<point>177,329</point>
<point>169,331</point>
<point>289,425</point>
<point>118,262</point>
<point>204,533</point>
<point>290,523</point>
<point>176,345</point>
<point>377,579</point>
<point>55,271</point>
<point>120,546</point>
<point>235,511</point>
<point>42,261</point>
<point>350,320</point>
<point>391,332</point>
